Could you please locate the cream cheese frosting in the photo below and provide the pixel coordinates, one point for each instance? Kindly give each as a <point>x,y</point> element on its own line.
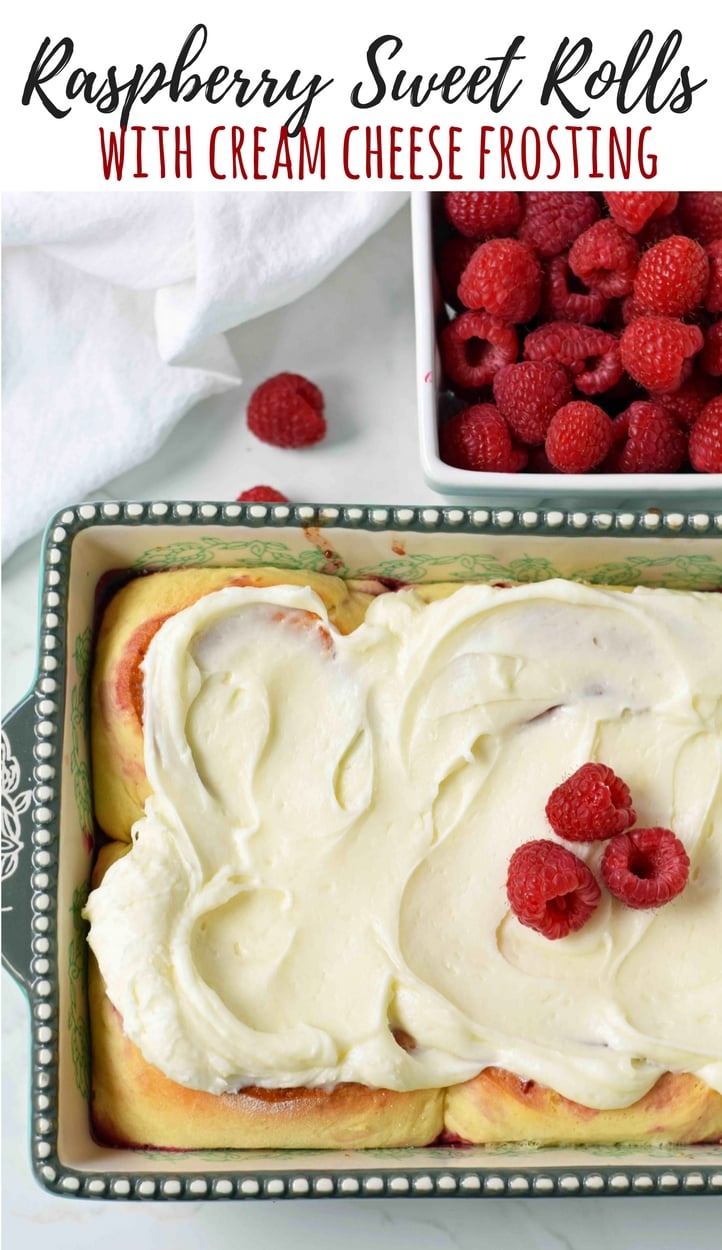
<point>322,861</point>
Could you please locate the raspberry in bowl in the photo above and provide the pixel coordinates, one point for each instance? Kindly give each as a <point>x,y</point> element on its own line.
<point>603,308</point>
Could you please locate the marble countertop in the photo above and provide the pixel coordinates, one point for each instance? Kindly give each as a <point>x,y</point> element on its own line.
<point>354,335</point>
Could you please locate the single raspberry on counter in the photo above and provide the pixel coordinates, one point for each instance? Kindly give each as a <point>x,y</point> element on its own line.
<point>579,437</point>
<point>672,277</point>
<point>554,219</point>
<point>261,494</point>
<point>713,297</point>
<point>475,346</point>
<point>687,402</point>
<point>655,351</point>
<point>528,394</point>
<point>287,411</point>
<point>605,257</point>
<point>645,868</point>
<point>701,213</point>
<point>592,804</point>
<point>503,278</point>
<point>655,442</point>
<point>454,256</point>
<point>479,438</point>
<point>705,440</point>
<point>482,214</point>
<point>297,382</point>
<point>633,209</point>
<point>590,355</point>
<point>564,298</point>
<point>550,889</point>
<point>711,355</point>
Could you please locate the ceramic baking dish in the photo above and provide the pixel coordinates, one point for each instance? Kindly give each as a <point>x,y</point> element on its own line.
<point>675,490</point>
<point>48,819</point>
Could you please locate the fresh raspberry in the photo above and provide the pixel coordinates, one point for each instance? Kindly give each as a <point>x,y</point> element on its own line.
<point>592,804</point>
<point>713,298</point>
<point>483,214</point>
<point>705,440</point>
<point>261,494</point>
<point>474,346</point>
<point>655,442</point>
<point>605,258</point>
<point>579,437</point>
<point>624,392</point>
<point>687,403</point>
<point>659,228</point>
<point>554,219</point>
<point>295,381</point>
<point>454,256</point>
<point>655,350</point>
<point>550,889</point>
<point>564,298</point>
<point>610,463</point>
<point>630,310</point>
<point>633,209</point>
<point>645,868</point>
<point>620,427</point>
<point>590,355</point>
<point>701,212</point>
<point>287,411</point>
<point>711,355</point>
<point>528,394</point>
<point>672,277</point>
<point>503,278</point>
<point>620,432</point>
<point>479,438</point>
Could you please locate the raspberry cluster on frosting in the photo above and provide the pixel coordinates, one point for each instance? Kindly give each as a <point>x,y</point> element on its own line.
<point>554,892</point>
<point>583,332</point>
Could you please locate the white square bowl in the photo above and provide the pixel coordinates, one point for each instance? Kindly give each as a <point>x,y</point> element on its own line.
<point>616,490</point>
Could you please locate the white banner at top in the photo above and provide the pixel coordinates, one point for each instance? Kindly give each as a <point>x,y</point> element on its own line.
<point>323,95</point>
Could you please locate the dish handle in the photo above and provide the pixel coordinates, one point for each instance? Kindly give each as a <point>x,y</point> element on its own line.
<point>18,764</point>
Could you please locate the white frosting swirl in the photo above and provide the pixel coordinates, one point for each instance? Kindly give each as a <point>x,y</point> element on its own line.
<point>323,858</point>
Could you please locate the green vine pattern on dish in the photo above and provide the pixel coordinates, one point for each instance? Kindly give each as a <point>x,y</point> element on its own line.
<point>678,572</point>
<point>79,719</point>
<point>203,552</point>
<point>683,572</point>
<point>675,572</point>
<point>77,981</point>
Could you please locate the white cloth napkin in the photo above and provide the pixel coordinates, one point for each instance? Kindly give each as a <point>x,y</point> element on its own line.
<point>114,312</point>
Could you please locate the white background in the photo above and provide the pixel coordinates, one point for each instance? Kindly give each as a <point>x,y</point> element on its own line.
<point>320,36</point>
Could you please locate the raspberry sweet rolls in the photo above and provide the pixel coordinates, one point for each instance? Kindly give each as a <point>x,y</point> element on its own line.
<point>332,915</point>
